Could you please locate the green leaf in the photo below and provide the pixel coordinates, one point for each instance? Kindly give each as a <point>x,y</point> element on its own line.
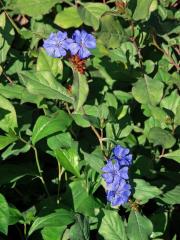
<point>15,149</point>
<point>142,10</point>
<point>126,54</point>
<point>149,66</point>
<point>80,230</point>
<point>175,155</point>
<point>111,101</point>
<point>60,218</point>
<point>144,191</point>
<point>43,83</point>
<point>53,233</point>
<point>159,220</point>
<point>111,32</point>
<point>177,116</point>
<point>171,196</point>
<point>14,216</point>
<point>19,92</point>
<point>17,172</point>
<point>47,63</point>
<point>112,226</point>
<point>6,140</point>
<point>161,137</point>
<point>6,36</point>
<point>69,160</point>
<point>4,215</point>
<point>33,8</point>
<point>46,126</point>
<point>141,225</point>
<point>123,96</point>
<point>95,160</point>
<point>157,113</point>
<point>8,119</point>
<point>171,102</point>
<point>148,91</point>
<point>62,140</point>
<point>80,120</point>
<point>82,201</point>
<point>80,90</point>
<point>91,13</point>
<point>68,18</point>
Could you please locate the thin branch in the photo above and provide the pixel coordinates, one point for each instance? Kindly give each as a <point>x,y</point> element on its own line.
<point>8,78</point>
<point>97,135</point>
<point>37,164</point>
<point>69,3</point>
<point>171,60</point>
<point>133,40</point>
<point>162,153</point>
<point>60,173</point>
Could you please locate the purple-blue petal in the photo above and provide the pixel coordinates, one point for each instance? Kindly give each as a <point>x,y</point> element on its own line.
<point>123,173</point>
<point>108,177</point>
<point>77,36</point>
<point>73,47</point>
<point>83,52</point>
<point>120,151</point>
<point>110,195</point>
<point>108,167</point>
<point>90,41</point>
<point>61,35</point>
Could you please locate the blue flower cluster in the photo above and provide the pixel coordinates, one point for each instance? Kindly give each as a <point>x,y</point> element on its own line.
<point>116,176</point>
<point>58,44</point>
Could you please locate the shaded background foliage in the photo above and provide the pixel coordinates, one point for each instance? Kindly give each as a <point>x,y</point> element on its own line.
<point>57,126</point>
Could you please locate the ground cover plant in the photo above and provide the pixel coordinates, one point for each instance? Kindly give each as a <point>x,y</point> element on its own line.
<point>89,120</point>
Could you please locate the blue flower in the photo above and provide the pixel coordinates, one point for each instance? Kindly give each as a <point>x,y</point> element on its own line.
<point>122,155</point>
<point>115,174</point>
<point>56,44</point>
<point>80,43</point>
<point>120,195</point>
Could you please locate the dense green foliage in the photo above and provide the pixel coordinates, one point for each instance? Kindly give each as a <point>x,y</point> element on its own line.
<point>58,126</point>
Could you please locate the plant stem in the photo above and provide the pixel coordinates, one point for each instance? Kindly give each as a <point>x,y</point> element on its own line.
<point>171,60</point>
<point>162,153</point>
<point>40,170</point>
<point>99,136</point>
<point>37,164</point>
<point>133,40</point>
<point>69,3</point>
<point>60,173</point>
<point>12,22</point>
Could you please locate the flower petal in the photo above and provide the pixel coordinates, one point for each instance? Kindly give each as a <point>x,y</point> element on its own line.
<point>90,41</point>
<point>110,195</point>
<point>73,47</point>
<point>61,35</point>
<point>108,177</point>
<point>50,51</point>
<point>84,52</point>
<point>77,37</point>
<point>123,173</point>
<point>108,167</point>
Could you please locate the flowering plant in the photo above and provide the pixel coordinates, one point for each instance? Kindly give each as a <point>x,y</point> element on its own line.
<point>89,120</point>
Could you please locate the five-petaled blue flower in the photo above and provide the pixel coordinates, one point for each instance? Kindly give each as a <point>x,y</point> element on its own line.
<point>122,154</point>
<point>115,173</point>
<point>120,195</point>
<point>56,44</point>
<point>80,43</point>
